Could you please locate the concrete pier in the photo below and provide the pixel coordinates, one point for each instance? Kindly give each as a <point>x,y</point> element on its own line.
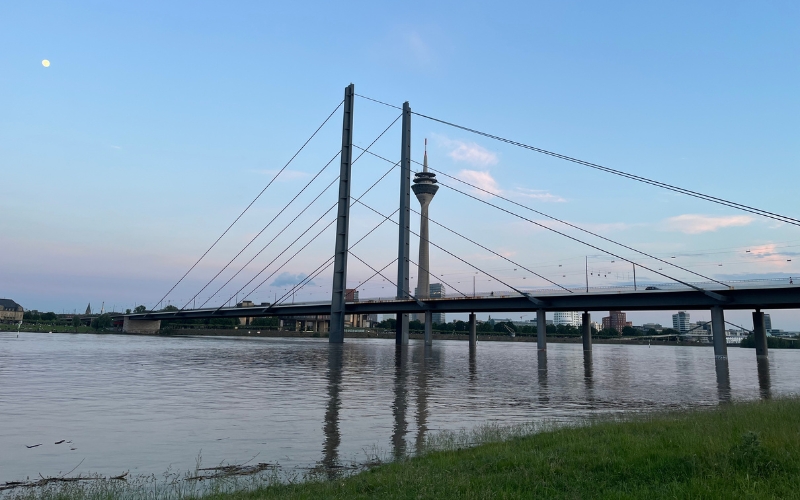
<point>586,330</point>
<point>541,330</point>
<point>473,330</point>
<point>760,334</point>
<point>718,332</point>
<point>428,328</point>
<point>147,326</point>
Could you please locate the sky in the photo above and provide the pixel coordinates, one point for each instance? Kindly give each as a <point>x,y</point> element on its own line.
<point>157,123</point>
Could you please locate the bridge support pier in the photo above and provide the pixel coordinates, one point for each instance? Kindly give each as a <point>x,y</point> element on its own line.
<point>146,326</point>
<point>760,334</point>
<point>541,330</point>
<point>428,328</point>
<point>473,330</point>
<point>718,332</point>
<point>586,330</point>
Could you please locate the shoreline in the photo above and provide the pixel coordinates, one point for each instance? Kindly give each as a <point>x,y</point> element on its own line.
<point>375,335</point>
<point>745,449</point>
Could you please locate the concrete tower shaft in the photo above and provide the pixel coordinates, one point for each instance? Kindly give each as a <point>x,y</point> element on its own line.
<point>424,188</point>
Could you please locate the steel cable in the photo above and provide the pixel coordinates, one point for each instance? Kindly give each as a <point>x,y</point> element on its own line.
<point>250,205</point>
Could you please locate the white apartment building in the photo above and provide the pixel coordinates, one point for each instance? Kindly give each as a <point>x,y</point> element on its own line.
<point>567,318</point>
<point>680,322</point>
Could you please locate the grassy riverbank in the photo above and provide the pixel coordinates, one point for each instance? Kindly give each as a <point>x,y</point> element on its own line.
<point>749,450</point>
<point>738,450</point>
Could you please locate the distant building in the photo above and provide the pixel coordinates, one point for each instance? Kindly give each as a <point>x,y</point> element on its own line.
<point>571,318</point>
<point>246,320</point>
<point>680,322</point>
<point>10,311</point>
<point>616,320</point>
<point>435,291</point>
<point>652,326</point>
<point>767,322</point>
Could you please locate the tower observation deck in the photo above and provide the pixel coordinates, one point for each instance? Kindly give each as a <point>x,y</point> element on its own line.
<point>425,189</point>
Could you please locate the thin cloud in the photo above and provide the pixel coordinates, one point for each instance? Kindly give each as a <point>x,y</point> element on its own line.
<point>289,279</point>
<point>697,224</point>
<point>481,179</point>
<point>467,152</point>
<point>418,49</point>
<point>538,195</point>
<point>115,147</point>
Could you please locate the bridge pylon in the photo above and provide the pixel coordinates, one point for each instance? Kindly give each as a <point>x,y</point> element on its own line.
<point>336,335</point>
<point>404,225</point>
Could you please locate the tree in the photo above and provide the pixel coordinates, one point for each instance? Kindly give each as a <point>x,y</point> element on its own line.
<point>140,309</point>
<point>49,316</point>
<point>169,308</point>
<point>630,331</point>
<point>101,322</point>
<point>76,322</point>
<point>127,311</point>
<point>608,332</point>
<point>388,324</point>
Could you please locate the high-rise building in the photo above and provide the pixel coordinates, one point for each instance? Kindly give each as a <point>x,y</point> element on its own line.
<point>435,291</point>
<point>680,322</point>
<point>424,188</point>
<point>572,318</point>
<point>616,320</point>
<point>767,322</point>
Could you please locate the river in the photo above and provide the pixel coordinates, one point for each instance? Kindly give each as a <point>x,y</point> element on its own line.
<point>148,404</point>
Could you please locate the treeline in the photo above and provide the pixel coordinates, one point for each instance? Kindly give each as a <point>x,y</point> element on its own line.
<point>772,342</point>
<point>506,328</point>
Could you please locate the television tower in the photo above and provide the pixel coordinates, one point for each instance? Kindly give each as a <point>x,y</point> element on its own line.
<point>424,188</point>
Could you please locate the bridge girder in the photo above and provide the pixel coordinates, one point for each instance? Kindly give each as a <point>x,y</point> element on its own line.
<point>757,298</point>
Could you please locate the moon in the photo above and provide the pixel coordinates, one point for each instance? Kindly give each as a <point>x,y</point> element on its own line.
<point>46,63</point>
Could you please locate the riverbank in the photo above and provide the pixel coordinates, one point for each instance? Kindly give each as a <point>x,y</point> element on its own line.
<point>743,450</point>
<point>390,335</point>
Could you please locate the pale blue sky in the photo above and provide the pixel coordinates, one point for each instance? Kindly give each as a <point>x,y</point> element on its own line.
<point>157,122</point>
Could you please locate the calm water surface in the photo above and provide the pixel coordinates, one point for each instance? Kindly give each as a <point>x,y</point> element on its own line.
<point>145,404</point>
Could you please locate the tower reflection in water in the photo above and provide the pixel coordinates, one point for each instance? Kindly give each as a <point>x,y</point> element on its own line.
<point>330,448</point>
<point>425,359</point>
<point>400,427</point>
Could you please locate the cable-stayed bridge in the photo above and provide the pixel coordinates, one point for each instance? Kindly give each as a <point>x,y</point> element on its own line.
<point>673,291</point>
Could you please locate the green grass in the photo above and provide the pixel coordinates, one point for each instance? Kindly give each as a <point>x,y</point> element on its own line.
<point>744,450</point>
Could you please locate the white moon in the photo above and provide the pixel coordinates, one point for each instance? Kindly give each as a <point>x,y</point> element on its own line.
<point>46,63</point>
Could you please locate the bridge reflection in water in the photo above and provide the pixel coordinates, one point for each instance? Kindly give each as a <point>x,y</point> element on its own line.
<point>418,372</point>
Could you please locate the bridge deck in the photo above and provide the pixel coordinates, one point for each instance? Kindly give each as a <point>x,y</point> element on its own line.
<point>770,296</point>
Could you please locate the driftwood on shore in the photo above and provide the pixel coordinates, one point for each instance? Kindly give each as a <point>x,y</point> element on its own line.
<point>230,470</point>
<point>44,481</point>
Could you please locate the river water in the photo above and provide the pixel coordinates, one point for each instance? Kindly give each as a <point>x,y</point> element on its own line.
<point>147,404</point>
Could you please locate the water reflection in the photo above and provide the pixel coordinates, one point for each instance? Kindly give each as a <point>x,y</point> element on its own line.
<point>541,370</point>
<point>131,402</point>
<point>425,367</point>
<point>764,385</point>
<point>400,427</point>
<point>723,379</point>
<point>330,448</point>
<point>473,363</point>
